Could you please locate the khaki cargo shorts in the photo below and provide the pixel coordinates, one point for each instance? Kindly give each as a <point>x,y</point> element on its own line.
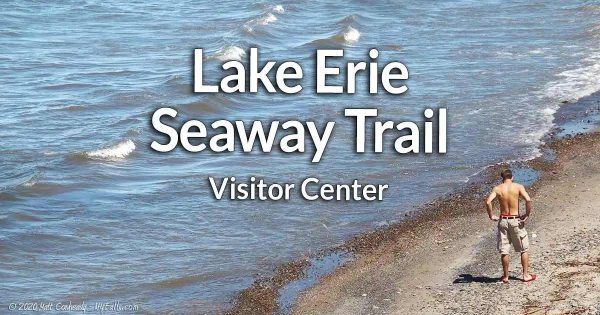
<point>511,232</point>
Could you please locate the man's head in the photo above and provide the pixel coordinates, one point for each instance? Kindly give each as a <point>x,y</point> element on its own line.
<point>506,174</point>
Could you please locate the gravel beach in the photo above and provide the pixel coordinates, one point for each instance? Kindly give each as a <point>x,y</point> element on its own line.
<point>445,261</point>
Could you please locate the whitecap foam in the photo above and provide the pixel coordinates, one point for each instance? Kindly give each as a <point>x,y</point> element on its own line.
<point>351,35</point>
<point>536,51</point>
<point>576,83</point>
<point>267,19</point>
<point>229,53</point>
<point>504,54</point>
<point>33,180</point>
<point>549,111</point>
<point>30,183</point>
<point>348,36</point>
<point>248,29</point>
<point>118,151</point>
<point>512,55</point>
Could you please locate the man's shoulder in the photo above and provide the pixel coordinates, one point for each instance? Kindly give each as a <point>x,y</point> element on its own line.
<point>518,185</point>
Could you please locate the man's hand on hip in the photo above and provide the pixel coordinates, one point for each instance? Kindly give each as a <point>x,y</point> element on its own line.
<point>523,219</point>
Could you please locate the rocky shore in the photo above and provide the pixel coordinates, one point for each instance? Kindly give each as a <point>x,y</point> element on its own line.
<point>448,264</point>
<point>442,259</point>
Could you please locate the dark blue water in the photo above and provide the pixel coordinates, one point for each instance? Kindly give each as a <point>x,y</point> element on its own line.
<point>89,212</point>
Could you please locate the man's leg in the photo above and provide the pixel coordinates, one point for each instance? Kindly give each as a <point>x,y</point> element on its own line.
<point>522,245</point>
<point>525,264</point>
<point>505,262</point>
<point>503,247</point>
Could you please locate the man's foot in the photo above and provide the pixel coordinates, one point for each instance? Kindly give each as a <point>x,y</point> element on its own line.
<point>529,277</point>
<point>504,280</point>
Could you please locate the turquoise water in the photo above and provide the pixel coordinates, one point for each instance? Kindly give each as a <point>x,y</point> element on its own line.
<point>88,212</point>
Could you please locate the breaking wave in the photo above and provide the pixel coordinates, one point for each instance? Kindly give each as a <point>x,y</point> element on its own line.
<point>229,53</point>
<point>266,19</point>
<point>118,151</point>
<point>350,35</point>
<point>576,83</point>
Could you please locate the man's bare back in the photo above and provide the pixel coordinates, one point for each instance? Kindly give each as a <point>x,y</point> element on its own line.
<point>508,194</point>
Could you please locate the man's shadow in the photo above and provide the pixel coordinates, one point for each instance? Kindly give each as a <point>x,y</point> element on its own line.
<point>468,278</point>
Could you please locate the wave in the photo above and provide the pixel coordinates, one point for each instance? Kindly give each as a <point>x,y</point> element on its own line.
<point>266,19</point>
<point>174,78</point>
<point>229,53</point>
<point>33,180</point>
<point>21,181</point>
<point>350,20</point>
<point>348,33</point>
<point>348,36</point>
<point>118,151</point>
<point>549,111</point>
<point>520,55</point>
<point>576,83</point>
<point>213,104</point>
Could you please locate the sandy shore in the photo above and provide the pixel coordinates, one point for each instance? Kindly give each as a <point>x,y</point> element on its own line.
<point>447,263</point>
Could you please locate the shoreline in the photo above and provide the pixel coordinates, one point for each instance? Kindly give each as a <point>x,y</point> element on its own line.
<point>451,266</point>
<point>370,248</point>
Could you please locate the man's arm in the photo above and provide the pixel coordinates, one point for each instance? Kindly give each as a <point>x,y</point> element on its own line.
<point>525,196</point>
<point>488,203</point>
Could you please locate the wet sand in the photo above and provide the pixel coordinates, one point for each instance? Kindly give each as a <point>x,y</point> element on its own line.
<point>445,261</point>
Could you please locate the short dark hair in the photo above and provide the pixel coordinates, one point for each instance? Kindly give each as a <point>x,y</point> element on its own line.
<point>506,174</point>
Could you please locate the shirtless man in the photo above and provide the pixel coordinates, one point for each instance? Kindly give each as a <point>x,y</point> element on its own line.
<point>511,226</point>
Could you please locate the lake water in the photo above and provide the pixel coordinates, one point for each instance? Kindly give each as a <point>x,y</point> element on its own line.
<point>88,212</point>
